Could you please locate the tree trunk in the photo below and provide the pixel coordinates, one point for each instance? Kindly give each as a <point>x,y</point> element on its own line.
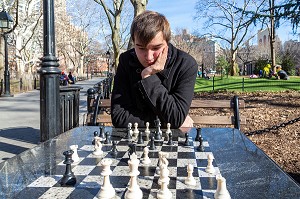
<point>272,35</point>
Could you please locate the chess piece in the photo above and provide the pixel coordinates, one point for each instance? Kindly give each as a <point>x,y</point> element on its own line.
<point>95,135</point>
<point>68,178</point>
<point>107,138</point>
<point>132,149</point>
<point>101,133</point>
<point>128,135</point>
<point>210,168</point>
<point>168,128</point>
<point>146,160</point>
<point>200,147</point>
<point>114,150</point>
<point>158,131</point>
<point>190,180</point>
<point>147,131</point>
<point>75,156</point>
<point>152,143</point>
<point>135,130</point>
<point>129,127</point>
<point>164,192</point>
<point>98,146</point>
<point>187,141</point>
<point>140,138</point>
<point>107,190</point>
<point>221,192</point>
<point>162,161</point>
<point>198,134</point>
<point>134,191</point>
<point>170,140</point>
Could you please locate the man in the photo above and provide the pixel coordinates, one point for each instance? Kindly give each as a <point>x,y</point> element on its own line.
<point>154,79</point>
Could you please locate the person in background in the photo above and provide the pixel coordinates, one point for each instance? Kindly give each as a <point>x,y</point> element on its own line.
<point>64,80</point>
<point>154,79</point>
<point>71,78</point>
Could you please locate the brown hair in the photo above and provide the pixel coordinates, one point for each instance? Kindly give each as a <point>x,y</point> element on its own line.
<point>146,26</point>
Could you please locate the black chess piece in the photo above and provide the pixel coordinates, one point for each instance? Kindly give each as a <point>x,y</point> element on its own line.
<point>128,135</point>
<point>170,141</point>
<point>152,143</point>
<point>114,150</point>
<point>101,133</point>
<point>95,135</point>
<point>200,147</point>
<point>198,134</point>
<point>107,138</point>
<point>132,149</point>
<point>69,178</point>
<point>187,141</point>
<point>140,138</point>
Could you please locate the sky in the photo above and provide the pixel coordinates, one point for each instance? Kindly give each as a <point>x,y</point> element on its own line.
<point>180,14</point>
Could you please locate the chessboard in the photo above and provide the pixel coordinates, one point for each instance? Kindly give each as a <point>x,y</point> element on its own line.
<point>89,180</point>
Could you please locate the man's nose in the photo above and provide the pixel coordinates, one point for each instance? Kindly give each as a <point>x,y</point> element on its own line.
<point>149,55</point>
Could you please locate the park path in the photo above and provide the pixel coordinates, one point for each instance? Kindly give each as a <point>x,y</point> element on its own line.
<point>20,119</point>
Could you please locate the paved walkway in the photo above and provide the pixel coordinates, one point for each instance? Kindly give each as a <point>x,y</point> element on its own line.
<point>20,119</point>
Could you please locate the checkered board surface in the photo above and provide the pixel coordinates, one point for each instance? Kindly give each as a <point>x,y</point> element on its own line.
<point>89,180</point>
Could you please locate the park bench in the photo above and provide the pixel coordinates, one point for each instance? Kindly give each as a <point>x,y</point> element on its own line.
<point>101,108</point>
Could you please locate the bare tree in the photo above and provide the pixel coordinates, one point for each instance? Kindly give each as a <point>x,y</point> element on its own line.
<point>225,23</point>
<point>139,6</point>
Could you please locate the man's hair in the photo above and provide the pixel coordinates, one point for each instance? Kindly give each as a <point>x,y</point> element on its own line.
<point>146,25</point>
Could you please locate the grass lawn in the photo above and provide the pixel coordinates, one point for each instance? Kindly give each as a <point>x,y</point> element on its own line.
<point>242,83</point>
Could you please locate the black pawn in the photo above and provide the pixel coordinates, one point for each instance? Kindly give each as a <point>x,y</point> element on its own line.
<point>69,178</point>
<point>95,135</point>
<point>140,138</point>
<point>128,135</point>
<point>198,134</point>
<point>101,134</point>
<point>157,135</point>
<point>107,138</point>
<point>187,141</point>
<point>114,150</point>
<point>170,141</point>
<point>200,147</point>
<point>132,149</point>
<point>152,144</point>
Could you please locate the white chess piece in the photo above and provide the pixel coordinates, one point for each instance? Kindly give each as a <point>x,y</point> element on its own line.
<point>133,191</point>
<point>168,128</point>
<point>221,192</point>
<point>98,146</point>
<point>75,156</point>
<point>107,190</point>
<point>210,168</point>
<point>147,131</point>
<point>164,192</point>
<point>190,180</point>
<point>146,160</point>
<point>135,130</point>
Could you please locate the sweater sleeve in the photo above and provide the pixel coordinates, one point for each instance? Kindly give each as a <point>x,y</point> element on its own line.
<point>171,106</point>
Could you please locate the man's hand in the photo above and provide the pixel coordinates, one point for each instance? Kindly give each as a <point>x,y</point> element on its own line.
<point>158,65</point>
<point>187,124</point>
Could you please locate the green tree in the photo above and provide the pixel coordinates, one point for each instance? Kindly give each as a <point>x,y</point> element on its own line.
<point>222,66</point>
<point>288,63</point>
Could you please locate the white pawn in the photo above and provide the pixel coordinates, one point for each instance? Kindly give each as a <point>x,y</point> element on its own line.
<point>146,160</point>
<point>135,130</point>
<point>75,156</point>
<point>98,146</point>
<point>168,128</point>
<point>107,190</point>
<point>147,131</point>
<point>190,180</point>
<point>210,168</point>
<point>164,192</point>
<point>133,191</point>
<point>221,192</point>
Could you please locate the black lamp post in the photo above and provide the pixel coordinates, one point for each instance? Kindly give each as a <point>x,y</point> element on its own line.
<point>6,24</point>
<point>50,117</point>
<point>107,59</point>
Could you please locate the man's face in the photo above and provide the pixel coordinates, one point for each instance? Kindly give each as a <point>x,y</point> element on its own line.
<point>148,54</point>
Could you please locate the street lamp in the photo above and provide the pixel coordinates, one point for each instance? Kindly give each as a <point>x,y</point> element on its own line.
<point>6,24</point>
<point>107,59</point>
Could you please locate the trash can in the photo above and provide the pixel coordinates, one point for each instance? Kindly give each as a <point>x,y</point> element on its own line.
<point>69,107</point>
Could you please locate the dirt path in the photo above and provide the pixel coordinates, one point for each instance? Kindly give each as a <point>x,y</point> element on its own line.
<point>277,115</point>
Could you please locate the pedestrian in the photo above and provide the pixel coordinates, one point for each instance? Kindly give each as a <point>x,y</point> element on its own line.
<point>71,78</point>
<point>154,78</point>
